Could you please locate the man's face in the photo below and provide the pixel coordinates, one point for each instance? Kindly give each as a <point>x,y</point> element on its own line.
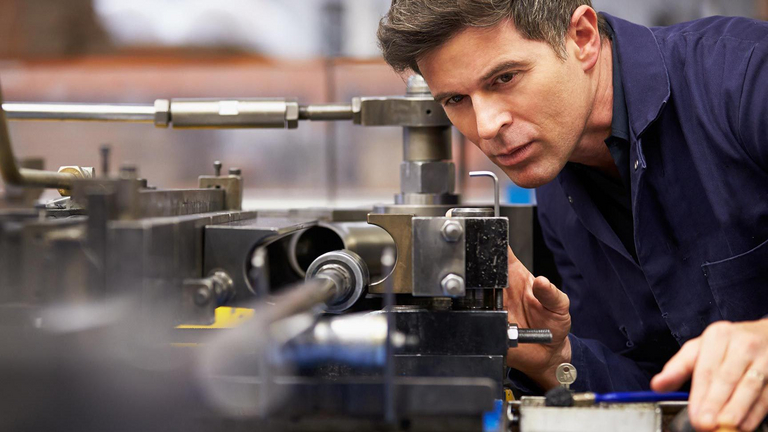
<point>514,98</point>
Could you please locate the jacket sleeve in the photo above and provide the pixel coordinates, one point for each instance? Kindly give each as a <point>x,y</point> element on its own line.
<point>753,106</point>
<point>599,369</point>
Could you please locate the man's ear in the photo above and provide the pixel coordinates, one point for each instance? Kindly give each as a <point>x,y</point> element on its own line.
<point>583,38</point>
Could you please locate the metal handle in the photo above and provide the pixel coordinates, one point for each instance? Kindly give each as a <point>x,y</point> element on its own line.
<point>495,188</point>
<point>16,176</point>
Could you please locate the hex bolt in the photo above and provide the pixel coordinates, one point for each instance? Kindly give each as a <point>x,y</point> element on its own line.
<point>235,171</point>
<point>453,285</point>
<point>452,231</point>
<point>217,168</point>
<point>202,296</point>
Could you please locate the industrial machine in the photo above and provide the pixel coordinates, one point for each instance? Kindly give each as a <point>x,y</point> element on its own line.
<point>130,307</point>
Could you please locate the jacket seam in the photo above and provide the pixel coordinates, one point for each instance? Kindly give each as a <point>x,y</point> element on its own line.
<point>739,136</point>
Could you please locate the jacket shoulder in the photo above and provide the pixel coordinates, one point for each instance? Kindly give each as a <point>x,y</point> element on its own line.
<point>717,27</point>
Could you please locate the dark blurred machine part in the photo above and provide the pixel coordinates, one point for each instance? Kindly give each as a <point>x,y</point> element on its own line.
<point>157,267</point>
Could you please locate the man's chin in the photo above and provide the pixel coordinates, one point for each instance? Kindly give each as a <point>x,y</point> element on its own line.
<point>529,180</point>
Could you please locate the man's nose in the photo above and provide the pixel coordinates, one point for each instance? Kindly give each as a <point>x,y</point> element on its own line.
<point>491,117</point>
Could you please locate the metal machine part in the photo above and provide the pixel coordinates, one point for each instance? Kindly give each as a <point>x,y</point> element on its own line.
<point>231,184</point>
<point>243,113</point>
<point>207,294</point>
<point>427,175</point>
<point>367,241</point>
<point>471,212</point>
<point>516,335</point>
<point>495,188</point>
<point>435,258</point>
<point>15,176</point>
<point>197,249</point>
<point>430,248</point>
<point>250,251</point>
<point>634,418</point>
<point>354,339</point>
<point>348,273</point>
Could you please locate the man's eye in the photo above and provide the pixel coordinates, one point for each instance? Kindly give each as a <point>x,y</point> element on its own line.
<point>454,100</point>
<point>505,78</point>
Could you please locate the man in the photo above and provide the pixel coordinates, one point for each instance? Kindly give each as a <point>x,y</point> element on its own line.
<point>649,149</point>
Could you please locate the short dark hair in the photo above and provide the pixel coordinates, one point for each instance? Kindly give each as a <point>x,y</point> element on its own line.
<point>412,28</point>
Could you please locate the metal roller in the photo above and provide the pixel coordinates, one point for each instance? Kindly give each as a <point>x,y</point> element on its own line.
<point>348,274</point>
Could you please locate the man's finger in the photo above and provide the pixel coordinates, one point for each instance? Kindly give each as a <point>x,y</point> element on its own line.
<point>551,298</point>
<point>725,381</point>
<point>757,413</point>
<point>714,343</point>
<point>678,369</point>
<point>745,396</point>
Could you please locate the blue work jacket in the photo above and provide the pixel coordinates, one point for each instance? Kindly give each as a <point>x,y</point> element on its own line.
<point>697,99</point>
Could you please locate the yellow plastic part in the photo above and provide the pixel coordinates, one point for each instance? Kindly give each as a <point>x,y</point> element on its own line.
<point>226,317</point>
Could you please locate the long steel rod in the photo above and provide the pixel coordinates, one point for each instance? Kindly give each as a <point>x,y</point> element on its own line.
<point>138,113</point>
<point>79,112</point>
<point>299,299</point>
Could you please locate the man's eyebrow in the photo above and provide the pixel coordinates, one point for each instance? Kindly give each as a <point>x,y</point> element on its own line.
<point>501,67</point>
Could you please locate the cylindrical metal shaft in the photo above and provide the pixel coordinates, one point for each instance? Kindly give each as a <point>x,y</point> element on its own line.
<point>427,144</point>
<point>301,299</point>
<point>244,113</point>
<point>534,336</point>
<point>79,112</point>
<point>325,112</point>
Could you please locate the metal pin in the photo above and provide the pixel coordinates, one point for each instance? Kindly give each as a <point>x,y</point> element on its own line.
<point>495,188</point>
<point>105,150</point>
<point>217,168</point>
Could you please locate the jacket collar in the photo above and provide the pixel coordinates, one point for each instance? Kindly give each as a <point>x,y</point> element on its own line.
<point>644,72</point>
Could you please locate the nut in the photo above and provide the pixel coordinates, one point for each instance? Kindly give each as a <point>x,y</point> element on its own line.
<point>77,172</point>
<point>453,285</point>
<point>162,113</point>
<point>428,177</point>
<point>452,231</point>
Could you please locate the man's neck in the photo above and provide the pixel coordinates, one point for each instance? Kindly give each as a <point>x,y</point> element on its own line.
<point>591,149</point>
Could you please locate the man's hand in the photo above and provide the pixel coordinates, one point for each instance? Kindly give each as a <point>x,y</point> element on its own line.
<point>728,364</point>
<point>536,303</point>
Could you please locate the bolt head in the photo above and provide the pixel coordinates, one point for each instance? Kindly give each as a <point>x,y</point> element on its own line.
<point>453,285</point>
<point>202,296</point>
<point>452,231</point>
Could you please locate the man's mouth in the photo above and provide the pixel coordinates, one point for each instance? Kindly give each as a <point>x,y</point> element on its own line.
<point>515,156</point>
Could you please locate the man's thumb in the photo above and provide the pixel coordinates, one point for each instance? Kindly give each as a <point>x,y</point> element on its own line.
<point>550,297</point>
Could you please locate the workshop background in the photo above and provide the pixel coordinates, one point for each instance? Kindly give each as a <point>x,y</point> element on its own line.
<point>319,51</point>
